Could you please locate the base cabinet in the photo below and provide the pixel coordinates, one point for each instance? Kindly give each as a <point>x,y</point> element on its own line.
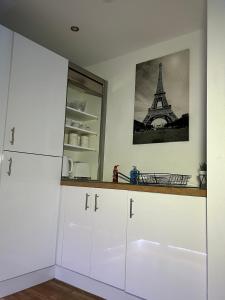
<point>77,230</point>
<point>109,237</point>
<point>29,196</point>
<point>94,233</point>
<point>151,245</point>
<point>166,247</point>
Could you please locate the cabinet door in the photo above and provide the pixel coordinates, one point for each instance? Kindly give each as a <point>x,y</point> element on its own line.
<point>109,236</point>
<point>5,61</point>
<point>166,247</point>
<point>1,160</point>
<point>37,95</point>
<point>29,197</point>
<point>77,233</point>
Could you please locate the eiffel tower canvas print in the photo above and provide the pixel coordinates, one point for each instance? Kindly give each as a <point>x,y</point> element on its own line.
<point>161,110</point>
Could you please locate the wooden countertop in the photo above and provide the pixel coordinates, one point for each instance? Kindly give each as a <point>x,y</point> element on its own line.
<point>186,191</point>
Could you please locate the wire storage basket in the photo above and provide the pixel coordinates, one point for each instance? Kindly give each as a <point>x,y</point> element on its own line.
<point>163,179</point>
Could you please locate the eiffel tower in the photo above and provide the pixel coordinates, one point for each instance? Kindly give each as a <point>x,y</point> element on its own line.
<point>160,107</point>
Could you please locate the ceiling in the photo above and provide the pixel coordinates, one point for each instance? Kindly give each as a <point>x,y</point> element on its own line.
<point>108,28</point>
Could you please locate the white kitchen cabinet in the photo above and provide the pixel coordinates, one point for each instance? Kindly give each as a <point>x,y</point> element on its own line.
<point>109,236</point>
<point>6,37</point>
<point>29,196</point>
<point>166,247</point>
<point>94,236</point>
<point>77,229</point>
<point>1,159</point>
<point>37,97</point>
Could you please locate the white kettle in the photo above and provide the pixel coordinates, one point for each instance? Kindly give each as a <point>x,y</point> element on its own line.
<point>67,166</point>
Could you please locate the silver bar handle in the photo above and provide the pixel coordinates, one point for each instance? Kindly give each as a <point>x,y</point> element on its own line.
<point>96,202</point>
<point>12,136</point>
<point>131,208</point>
<point>86,201</point>
<point>10,166</point>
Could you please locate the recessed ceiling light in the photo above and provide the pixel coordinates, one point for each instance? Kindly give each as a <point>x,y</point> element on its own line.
<point>74,28</point>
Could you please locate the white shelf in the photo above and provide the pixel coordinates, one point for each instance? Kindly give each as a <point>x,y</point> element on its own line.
<point>77,148</point>
<point>79,130</point>
<point>80,115</point>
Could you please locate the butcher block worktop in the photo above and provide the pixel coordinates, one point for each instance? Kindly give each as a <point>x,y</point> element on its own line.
<point>186,191</point>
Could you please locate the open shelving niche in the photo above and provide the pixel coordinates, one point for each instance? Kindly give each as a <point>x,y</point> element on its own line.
<point>91,116</point>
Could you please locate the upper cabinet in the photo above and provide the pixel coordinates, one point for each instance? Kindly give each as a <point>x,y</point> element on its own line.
<point>85,121</point>
<point>6,37</point>
<point>36,103</point>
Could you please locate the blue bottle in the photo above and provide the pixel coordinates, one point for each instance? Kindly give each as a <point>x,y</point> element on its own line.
<point>134,175</point>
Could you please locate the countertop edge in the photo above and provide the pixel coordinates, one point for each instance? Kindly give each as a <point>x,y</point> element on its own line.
<point>184,191</point>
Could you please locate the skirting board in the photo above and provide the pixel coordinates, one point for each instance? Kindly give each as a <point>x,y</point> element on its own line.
<point>92,286</point>
<point>11,286</point>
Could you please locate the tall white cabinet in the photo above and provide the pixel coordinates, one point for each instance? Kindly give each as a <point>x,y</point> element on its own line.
<point>37,98</point>
<point>29,196</point>
<point>6,37</point>
<point>166,247</point>
<point>32,155</point>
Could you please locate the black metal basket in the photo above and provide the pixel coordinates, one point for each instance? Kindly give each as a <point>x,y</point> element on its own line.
<point>163,179</point>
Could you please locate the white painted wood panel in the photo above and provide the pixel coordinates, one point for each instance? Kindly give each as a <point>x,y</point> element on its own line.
<point>6,37</point>
<point>109,237</point>
<point>166,247</point>
<point>37,97</point>
<point>29,200</point>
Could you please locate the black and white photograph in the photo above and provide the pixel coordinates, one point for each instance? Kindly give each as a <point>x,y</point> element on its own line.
<point>161,108</point>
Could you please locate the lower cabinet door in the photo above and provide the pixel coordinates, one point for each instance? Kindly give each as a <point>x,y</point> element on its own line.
<point>109,236</point>
<point>77,229</point>
<point>94,233</point>
<point>29,197</point>
<point>166,247</point>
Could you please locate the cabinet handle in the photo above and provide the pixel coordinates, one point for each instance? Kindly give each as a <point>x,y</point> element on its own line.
<point>86,201</point>
<point>10,166</point>
<point>12,136</point>
<point>96,202</point>
<point>131,208</point>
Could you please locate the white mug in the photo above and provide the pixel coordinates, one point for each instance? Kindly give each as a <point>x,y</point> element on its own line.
<point>84,141</point>
<point>73,139</point>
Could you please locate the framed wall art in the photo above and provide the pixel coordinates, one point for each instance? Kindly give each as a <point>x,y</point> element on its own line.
<point>161,109</point>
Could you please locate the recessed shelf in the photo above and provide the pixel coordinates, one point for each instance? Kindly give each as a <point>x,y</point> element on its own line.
<point>84,88</point>
<point>79,115</point>
<point>79,130</point>
<point>77,148</point>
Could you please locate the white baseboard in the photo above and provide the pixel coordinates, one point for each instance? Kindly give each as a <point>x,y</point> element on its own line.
<point>14,285</point>
<point>92,286</point>
<point>11,286</point>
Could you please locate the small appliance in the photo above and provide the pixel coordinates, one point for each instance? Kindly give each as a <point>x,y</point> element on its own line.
<point>67,166</point>
<point>81,170</point>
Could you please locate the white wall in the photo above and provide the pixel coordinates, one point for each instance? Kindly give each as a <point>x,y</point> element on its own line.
<point>216,148</point>
<point>180,157</point>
